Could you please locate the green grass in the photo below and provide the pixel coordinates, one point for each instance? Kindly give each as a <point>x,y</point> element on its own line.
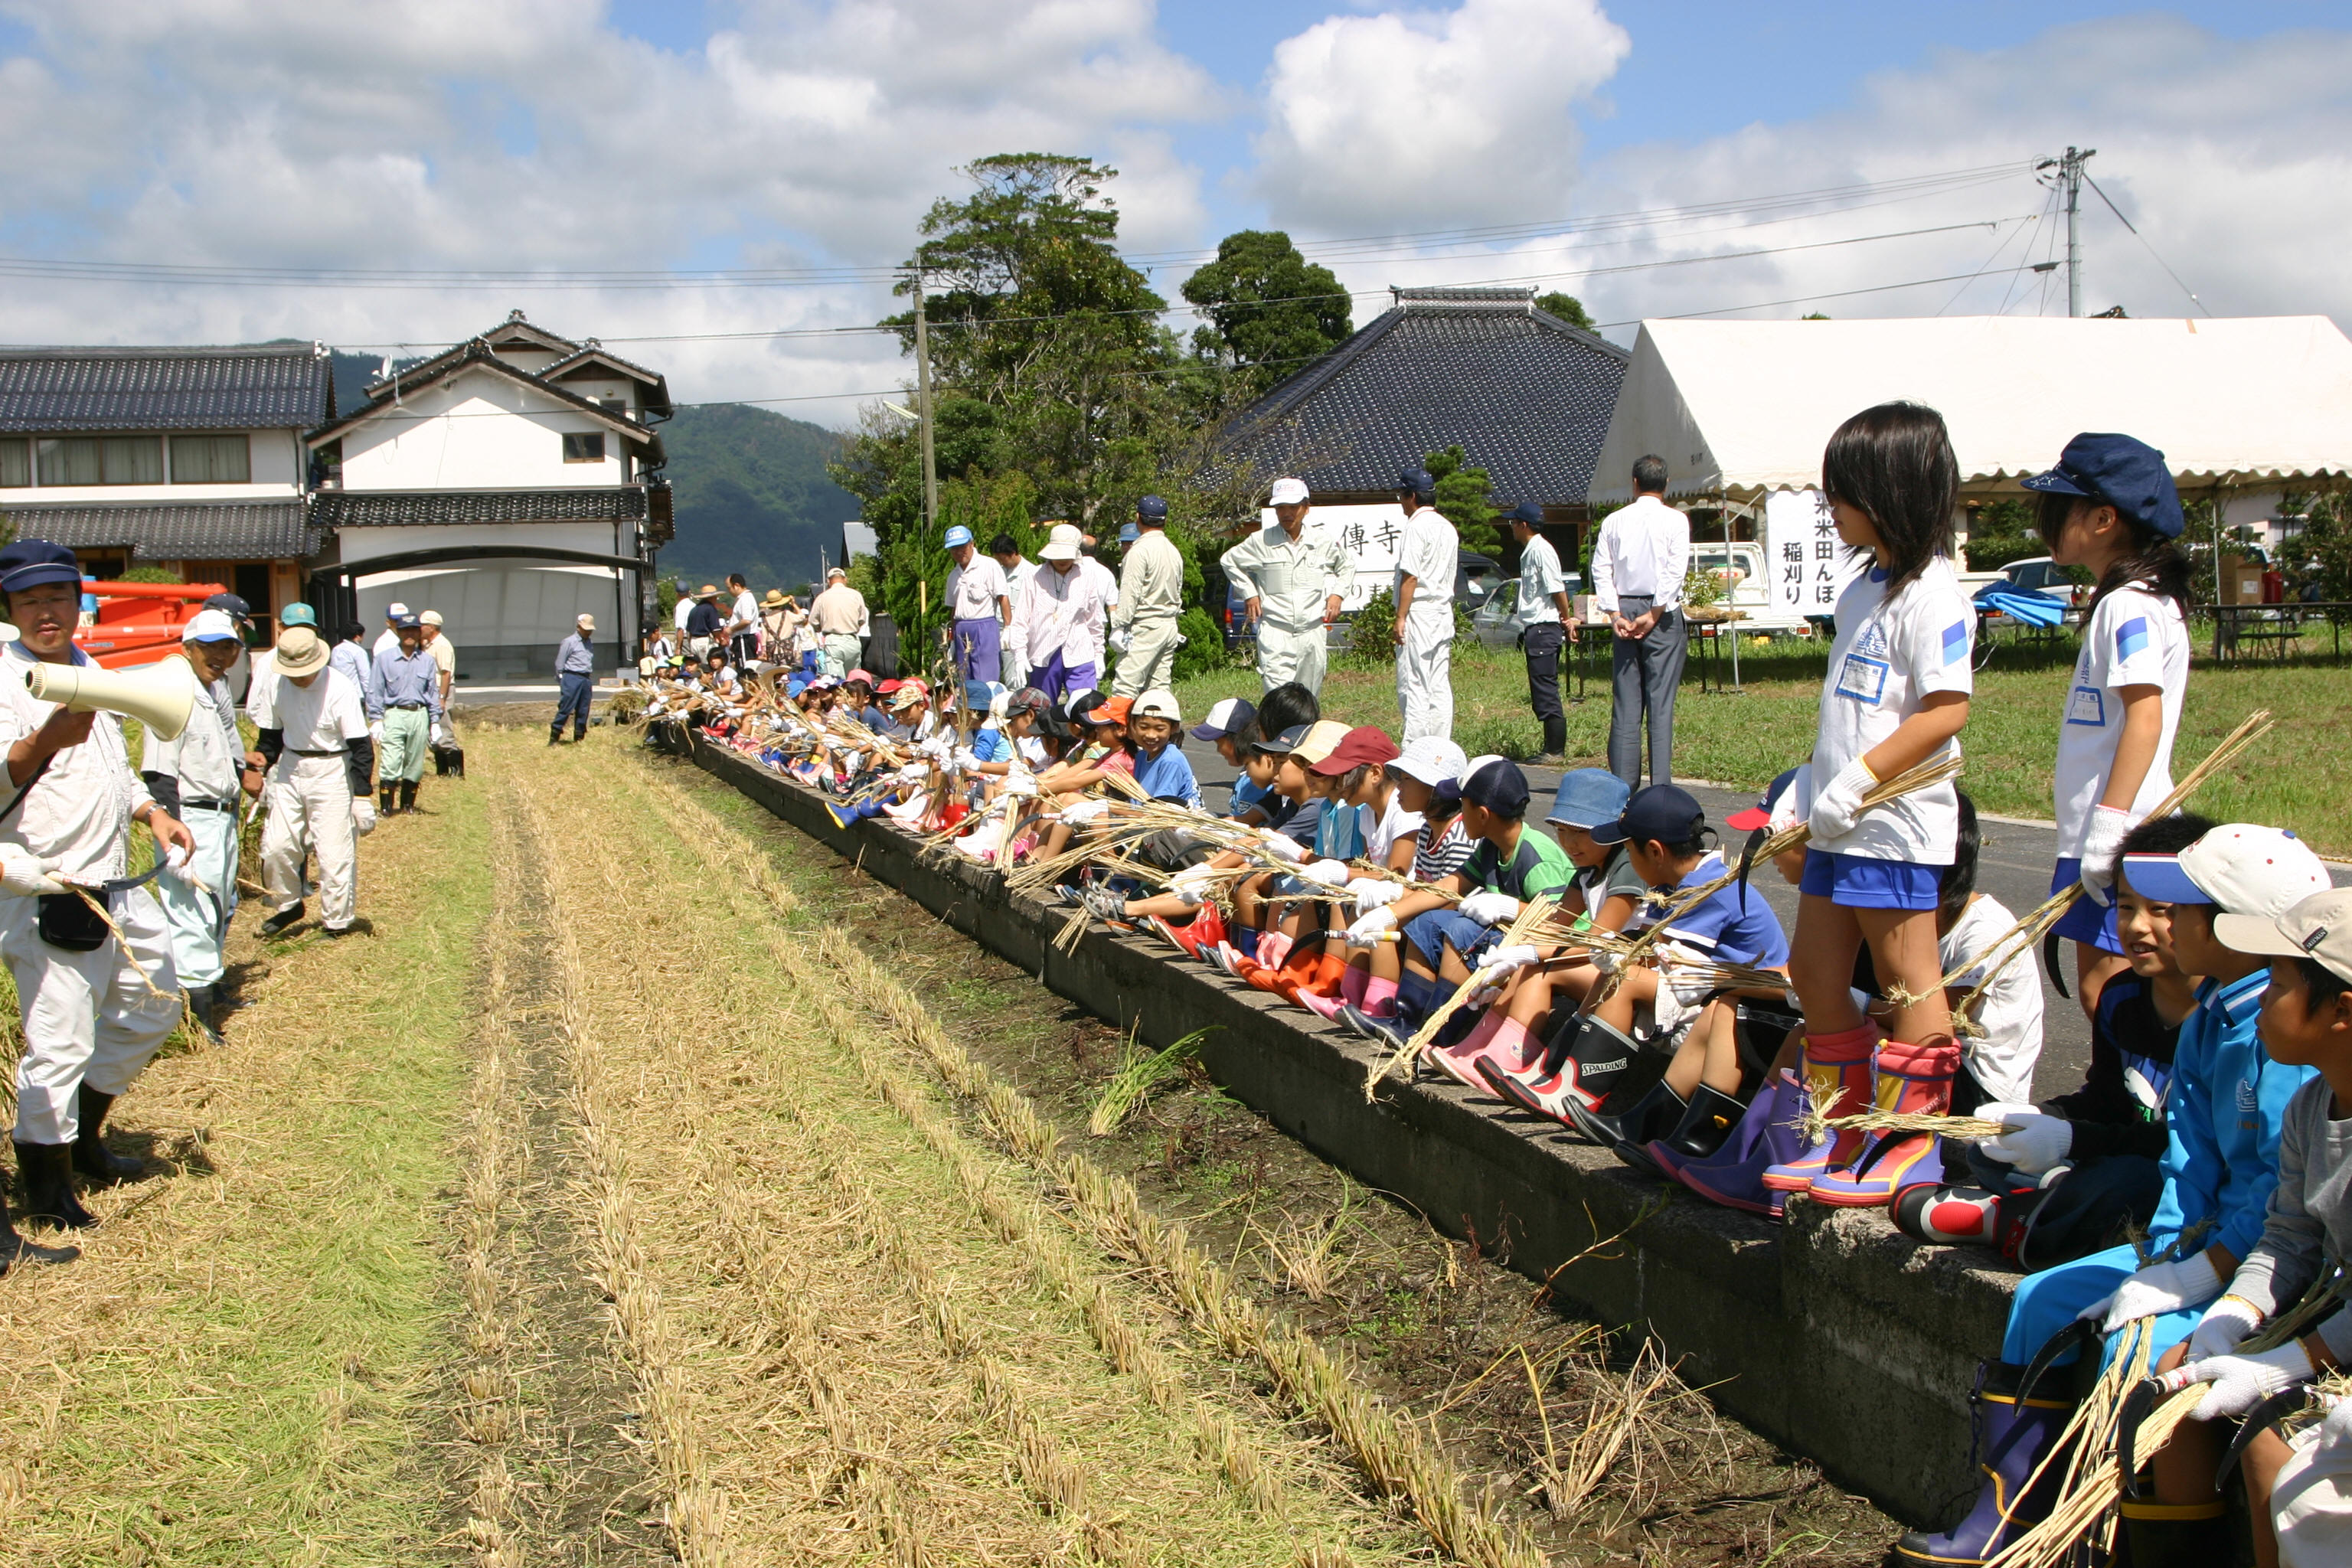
<point>2011,741</point>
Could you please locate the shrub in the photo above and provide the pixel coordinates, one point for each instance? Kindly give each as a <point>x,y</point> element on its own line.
<point>1204,644</point>
<point>1371,632</point>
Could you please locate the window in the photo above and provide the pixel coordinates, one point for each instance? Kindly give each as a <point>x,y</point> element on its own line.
<point>15,465</point>
<point>588,448</point>
<point>210,460</point>
<point>101,460</point>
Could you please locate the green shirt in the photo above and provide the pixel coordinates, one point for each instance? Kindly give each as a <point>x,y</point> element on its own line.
<point>1539,865</point>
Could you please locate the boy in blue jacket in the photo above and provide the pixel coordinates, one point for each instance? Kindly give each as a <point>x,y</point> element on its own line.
<point>2222,1114</point>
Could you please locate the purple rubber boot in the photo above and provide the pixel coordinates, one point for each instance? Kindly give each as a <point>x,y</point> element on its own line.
<point>1767,1135</point>
<point>2012,1436</point>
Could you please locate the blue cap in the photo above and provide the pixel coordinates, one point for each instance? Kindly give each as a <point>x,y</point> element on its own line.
<point>1417,480</point>
<point>1589,797</point>
<point>404,622</point>
<point>1527,512</point>
<point>1129,533</point>
<point>30,563</point>
<point>2128,475</point>
<point>1151,509</point>
<point>796,685</point>
<point>1661,814</point>
<point>231,605</point>
<point>958,537</point>
<point>298,613</point>
<point>2162,879</point>
<point>1500,787</point>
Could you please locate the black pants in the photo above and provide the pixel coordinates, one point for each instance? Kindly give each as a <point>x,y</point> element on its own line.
<point>1543,642</point>
<point>742,648</point>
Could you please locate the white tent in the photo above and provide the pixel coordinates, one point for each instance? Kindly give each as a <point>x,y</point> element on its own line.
<point>1739,408</point>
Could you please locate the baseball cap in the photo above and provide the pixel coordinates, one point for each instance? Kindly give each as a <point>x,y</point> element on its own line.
<point>1527,512</point>
<point>395,610</point>
<point>405,621</point>
<point>1761,813</point>
<point>957,537</point>
<point>1589,797</point>
<point>1129,533</point>
<point>1114,710</point>
<point>1227,716</point>
<point>833,572</point>
<point>433,617</point>
<point>907,695</point>
<point>2241,867</point>
<point>1151,509</point>
<point>231,604</point>
<point>298,613</point>
<point>1077,705</point>
<point>1062,545</point>
<point>1417,479</point>
<point>887,686</point>
<point>856,676</point>
<point>2319,928</point>
<point>1359,747</point>
<point>1028,699</point>
<point>1287,493</point>
<point>1663,813</point>
<point>1158,705</point>
<point>1500,787</point>
<point>1321,740</point>
<point>1283,743</point>
<point>1432,760</point>
<point>2129,475</point>
<point>210,626</point>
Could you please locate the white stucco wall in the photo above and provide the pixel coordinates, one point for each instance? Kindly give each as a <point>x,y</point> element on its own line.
<point>476,431</point>
<point>507,617</point>
<point>363,545</point>
<point>277,464</point>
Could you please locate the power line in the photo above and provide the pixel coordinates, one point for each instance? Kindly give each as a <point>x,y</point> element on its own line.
<point>1809,299</point>
<point>2136,234</point>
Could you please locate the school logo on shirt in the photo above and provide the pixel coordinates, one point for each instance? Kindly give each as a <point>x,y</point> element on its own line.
<point>2249,1100</point>
<point>1872,643</point>
<point>2131,637</point>
<point>1956,641</point>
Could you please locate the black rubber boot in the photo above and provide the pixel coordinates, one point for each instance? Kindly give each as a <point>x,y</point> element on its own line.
<point>48,1187</point>
<point>16,1251</point>
<point>1709,1121</point>
<point>92,1157</point>
<point>2175,1535</point>
<point>283,919</point>
<point>407,795</point>
<point>386,795</point>
<point>555,736</point>
<point>1650,1116</point>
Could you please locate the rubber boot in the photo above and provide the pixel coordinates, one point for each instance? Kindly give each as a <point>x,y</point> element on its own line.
<point>92,1157</point>
<point>1835,1067</point>
<point>2012,1436</point>
<point>1703,1127</point>
<point>48,1187</point>
<point>1767,1136</point>
<point>408,794</point>
<point>1495,1038</point>
<point>387,796</point>
<point>16,1251</point>
<point>1654,1112</point>
<point>1586,1059</point>
<point>2174,1534</point>
<point>1912,1080</point>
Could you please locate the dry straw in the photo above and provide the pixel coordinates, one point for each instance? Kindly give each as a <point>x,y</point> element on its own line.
<point>1532,916</point>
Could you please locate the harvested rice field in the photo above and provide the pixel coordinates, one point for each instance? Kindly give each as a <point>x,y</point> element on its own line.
<point>647,1186</point>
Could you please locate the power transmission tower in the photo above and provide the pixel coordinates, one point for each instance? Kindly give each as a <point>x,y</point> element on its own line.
<point>2069,175</point>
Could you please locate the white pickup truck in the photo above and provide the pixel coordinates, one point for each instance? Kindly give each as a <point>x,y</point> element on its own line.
<point>1741,566</point>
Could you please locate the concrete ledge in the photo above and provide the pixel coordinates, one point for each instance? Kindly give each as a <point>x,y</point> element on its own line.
<point>1834,1334</point>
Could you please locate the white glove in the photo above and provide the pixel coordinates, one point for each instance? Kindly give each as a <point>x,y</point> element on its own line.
<point>1370,926</point>
<point>2101,840</point>
<point>1021,785</point>
<point>966,757</point>
<point>1116,640</point>
<point>1186,882</point>
<point>2159,1288</point>
<point>1607,961</point>
<point>2242,1382</point>
<point>375,732</point>
<point>22,875</point>
<point>1506,960</point>
<point>363,815</point>
<point>1085,811</point>
<point>1371,893</point>
<point>176,862</point>
<point>2038,1145</point>
<point>1324,873</point>
<point>1840,801</point>
<point>2224,1327</point>
<point>1491,909</point>
<point>914,772</point>
<point>1282,847</point>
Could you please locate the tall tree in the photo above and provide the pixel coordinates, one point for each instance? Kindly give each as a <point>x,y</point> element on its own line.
<point>1463,492</point>
<point>1567,307</point>
<point>1270,310</point>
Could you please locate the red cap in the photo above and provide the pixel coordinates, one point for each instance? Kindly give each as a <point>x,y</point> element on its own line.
<point>1114,710</point>
<point>887,686</point>
<point>1749,820</point>
<point>1357,748</point>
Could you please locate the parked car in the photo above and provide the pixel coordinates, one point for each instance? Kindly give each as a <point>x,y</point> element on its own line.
<point>2035,574</point>
<point>1496,622</point>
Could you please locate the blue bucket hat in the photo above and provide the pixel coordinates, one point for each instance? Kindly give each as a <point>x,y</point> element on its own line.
<point>1589,797</point>
<point>2126,473</point>
<point>31,563</point>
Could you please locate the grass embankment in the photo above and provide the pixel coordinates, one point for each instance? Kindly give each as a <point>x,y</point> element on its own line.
<point>234,1369</point>
<point>2011,741</point>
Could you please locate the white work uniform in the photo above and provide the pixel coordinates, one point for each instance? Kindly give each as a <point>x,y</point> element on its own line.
<point>88,1017</point>
<point>1150,602</point>
<point>1012,647</point>
<point>1064,612</point>
<point>2134,638</point>
<point>1889,657</point>
<point>204,761</point>
<point>309,793</point>
<point>973,590</point>
<point>1292,580</point>
<point>1428,553</point>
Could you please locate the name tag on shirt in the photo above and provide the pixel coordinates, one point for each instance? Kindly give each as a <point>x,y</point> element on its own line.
<point>2088,706</point>
<point>1863,680</point>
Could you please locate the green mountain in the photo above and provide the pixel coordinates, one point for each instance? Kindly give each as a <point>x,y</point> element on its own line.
<point>753,496</point>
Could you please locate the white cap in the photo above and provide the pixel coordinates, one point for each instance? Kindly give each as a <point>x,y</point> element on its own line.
<point>1431,760</point>
<point>1157,705</point>
<point>833,572</point>
<point>1288,492</point>
<point>1062,545</point>
<point>2243,868</point>
<point>2319,928</point>
<point>394,610</point>
<point>587,622</point>
<point>429,618</point>
<point>210,626</point>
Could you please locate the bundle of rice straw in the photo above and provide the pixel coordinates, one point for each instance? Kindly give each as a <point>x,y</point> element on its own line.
<point>1531,917</point>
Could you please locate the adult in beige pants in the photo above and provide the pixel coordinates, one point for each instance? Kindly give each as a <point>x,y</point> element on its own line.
<point>1150,601</point>
<point>311,734</point>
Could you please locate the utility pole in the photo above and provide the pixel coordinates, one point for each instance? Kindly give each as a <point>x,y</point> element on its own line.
<point>2070,170</point>
<point>923,388</point>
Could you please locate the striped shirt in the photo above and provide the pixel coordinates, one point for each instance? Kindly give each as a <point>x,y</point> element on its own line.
<point>1433,862</point>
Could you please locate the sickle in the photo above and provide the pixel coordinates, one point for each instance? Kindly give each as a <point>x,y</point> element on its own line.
<point>2082,1334</point>
<point>1756,837</point>
<point>2139,1404</point>
<point>2260,1419</point>
<point>2049,962</point>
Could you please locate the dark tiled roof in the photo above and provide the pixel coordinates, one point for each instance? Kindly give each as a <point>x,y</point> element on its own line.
<point>246,387</point>
<point>385,508</point>
<point>657,388</point>
<point>514,330</point>
<point>198,531</point>
<point>1527,396</point>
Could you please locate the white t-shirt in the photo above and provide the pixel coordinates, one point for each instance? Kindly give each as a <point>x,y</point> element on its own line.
<point>685,608</point>
<point>1430,554</point>
<point>1382,829</point>
<point>1888,657</point>
<point>2011,1010</point>
<point>2134,638</point>
<point>745,617</point>
<point>1539,579</point>
<point>319,717</point>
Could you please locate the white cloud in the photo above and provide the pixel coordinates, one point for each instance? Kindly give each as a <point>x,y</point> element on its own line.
<point>1411,118</point>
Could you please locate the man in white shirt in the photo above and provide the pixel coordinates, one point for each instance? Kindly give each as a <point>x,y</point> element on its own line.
<point>1427,558</point>
<point>677,614</point>
<point>311,730</point>
<point>1012,647</point>
<point>742,627</point>
<point>1638,563</point>
<point>1150,603</point>
<point>1065,614</point>
<point>91,1019</point>
<point>1292,578</point>
<point>978,608</point>
<point>1544,619</point>
<point>200,775</point>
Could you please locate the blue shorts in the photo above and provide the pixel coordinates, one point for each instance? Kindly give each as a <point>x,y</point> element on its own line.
<point>1856,882</point>
<point>2084,920</point>
<point>1432,930</point>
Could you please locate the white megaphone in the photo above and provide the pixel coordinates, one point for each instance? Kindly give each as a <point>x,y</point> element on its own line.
<point>161,696</point>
